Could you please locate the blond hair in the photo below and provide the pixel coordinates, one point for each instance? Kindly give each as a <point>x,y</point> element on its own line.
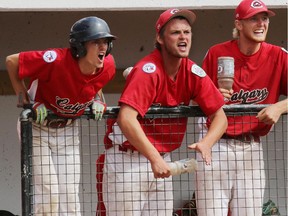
<point>235,33</point>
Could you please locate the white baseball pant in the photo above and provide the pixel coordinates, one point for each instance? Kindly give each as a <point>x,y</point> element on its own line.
<point>129,186</point>
<point>235,179</point>
<point>56,170</point>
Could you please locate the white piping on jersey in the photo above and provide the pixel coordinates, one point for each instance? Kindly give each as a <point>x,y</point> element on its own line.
<point>32,90</point>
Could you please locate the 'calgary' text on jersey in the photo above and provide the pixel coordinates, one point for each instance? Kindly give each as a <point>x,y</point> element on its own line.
<point>258,79</point>
<point>60,85</point>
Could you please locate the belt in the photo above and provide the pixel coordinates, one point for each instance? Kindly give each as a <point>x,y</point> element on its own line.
<point>130,150</point>
<point>59,122</point>
<point>243,137</point>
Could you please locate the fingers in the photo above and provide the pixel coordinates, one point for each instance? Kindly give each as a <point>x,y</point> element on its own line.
<point>207,158</point>
<point>98,115</point>
<point>227,94</point>
<point>98,109</point>
<point>98,112</point>
<point>41,113</point>
<point>205,152</point>
<point>268,117</point>
<point>162,175</point>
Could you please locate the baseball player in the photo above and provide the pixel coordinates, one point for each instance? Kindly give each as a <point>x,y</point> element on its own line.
<point>137,178</point>
<point>66,81</point>
<point>236,178</point>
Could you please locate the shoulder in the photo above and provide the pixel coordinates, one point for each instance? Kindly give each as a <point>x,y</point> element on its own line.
<point>109,62</point>
<point>226,44</point>
<point>109,58</point>
<point>194,69</point>
<point>275,53</point>
<point>47,56</point>
<point>224,48</point>
<point>150,64</point>
<point>274,48</point>
<point>55,55</point>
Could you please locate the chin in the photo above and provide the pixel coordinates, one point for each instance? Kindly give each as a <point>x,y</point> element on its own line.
<point>100,65</point>
<point>259,39</point>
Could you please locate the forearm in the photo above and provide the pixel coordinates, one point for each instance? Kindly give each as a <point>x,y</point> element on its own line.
<point>282,106</point>
<point>217,128</point>
<point>17,84</point>
<point>100,96</point>
<point>271,114</point>
<point>133,131</point>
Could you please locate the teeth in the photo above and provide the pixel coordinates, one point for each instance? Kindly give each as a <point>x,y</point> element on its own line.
<point>182,44</point>
<point>259,31</point>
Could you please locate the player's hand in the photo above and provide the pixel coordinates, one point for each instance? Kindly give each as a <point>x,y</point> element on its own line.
<point>269,115</point>
<point>40,111</point>
<point>227,94</point>
<point>98,109</point>
<point>204,149</point>
<point>160,168</point>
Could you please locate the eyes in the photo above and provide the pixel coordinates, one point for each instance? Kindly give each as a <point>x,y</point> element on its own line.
<point>99,42</point>
<point>178,32</point>
<point>256,19</point>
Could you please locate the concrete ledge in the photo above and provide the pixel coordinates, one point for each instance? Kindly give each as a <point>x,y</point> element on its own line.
<point>123,5</point>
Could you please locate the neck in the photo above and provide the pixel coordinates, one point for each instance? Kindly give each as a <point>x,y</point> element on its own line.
<point>87,69</point>
<point>171,65</point>
<point>248,47</point>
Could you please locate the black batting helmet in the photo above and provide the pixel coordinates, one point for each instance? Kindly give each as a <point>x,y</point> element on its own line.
<point>86,29</point>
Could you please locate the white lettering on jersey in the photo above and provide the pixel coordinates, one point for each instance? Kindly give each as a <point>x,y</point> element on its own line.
<point>249,97</point>
<point>64,106</point>
<point>149,68</point>
<point>49,56</point>
<point>198,70</point>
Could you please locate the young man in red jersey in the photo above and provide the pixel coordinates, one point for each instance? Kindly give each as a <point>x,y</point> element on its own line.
<point>236,178</point>
<point>65,81</point>
<point>137,178</point>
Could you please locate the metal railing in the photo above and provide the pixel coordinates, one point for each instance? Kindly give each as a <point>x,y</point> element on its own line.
<point>26,118</point>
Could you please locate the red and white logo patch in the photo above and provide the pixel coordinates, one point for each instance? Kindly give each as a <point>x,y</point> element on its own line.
<point>195,69</point>
<point>149,68</point>
<point>50,56</point>
<point>256,4</point>
<point>173,11</point>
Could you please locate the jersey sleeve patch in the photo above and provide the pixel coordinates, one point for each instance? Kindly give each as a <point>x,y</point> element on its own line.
<point>149,68</point>
<point>198,70</point>
<point>49,56</point>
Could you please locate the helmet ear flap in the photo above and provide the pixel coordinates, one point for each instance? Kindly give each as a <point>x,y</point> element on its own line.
<point>77,48</point>
<point>109,49</point>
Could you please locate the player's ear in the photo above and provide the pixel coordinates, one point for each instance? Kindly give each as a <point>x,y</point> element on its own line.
<point>159,39</point>
<point>238,24</point>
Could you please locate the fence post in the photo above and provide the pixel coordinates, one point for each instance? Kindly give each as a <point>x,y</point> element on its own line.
<point>26,161</point>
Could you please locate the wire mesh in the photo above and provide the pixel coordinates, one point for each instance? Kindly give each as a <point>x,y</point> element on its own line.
<point>91,149</point>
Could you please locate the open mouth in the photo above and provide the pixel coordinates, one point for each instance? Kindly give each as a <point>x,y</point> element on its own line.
<point>260,31</point>
<point>182,45</point>
<point>101,56</point>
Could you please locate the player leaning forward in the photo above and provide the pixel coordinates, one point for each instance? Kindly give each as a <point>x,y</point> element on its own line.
<point>137,178</point>
<point>236,179</point>
<point>66,81</point>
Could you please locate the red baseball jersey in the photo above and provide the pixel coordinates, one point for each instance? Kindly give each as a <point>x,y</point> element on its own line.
<point>258,79</point>
<point>56,80</point>
<point>148,85</point>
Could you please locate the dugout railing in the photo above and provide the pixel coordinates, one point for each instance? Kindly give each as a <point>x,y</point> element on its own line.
<point>91,140</point>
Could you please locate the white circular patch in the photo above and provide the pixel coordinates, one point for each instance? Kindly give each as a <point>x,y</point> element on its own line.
<point>198,70</point>
<point>49,56</point>
<point>149,68</point>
